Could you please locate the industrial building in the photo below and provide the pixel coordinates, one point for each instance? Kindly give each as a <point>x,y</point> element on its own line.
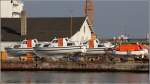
<point>16,26</point>
<point>45,29</point>
<point>11,8</point>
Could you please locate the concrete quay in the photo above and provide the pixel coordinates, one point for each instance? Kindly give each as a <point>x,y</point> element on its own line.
<point>76,66</point>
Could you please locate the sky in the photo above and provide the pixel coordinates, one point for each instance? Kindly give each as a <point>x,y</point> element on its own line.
<point>112,17</point>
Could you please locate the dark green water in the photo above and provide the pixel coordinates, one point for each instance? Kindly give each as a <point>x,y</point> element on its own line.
<point>50,77</point>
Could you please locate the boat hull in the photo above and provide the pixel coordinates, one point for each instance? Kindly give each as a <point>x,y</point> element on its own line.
<point>141,52</point>
<point>96,51</point>
<point>56,51</point>
<point>18,51</point>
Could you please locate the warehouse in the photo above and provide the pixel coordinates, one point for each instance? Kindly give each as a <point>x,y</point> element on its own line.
<point>45,29</point>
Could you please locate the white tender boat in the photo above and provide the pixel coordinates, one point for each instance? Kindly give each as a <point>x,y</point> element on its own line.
<point>26,46</point>
<point>60,46</point>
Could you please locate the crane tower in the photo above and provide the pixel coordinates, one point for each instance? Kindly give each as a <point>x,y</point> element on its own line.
<point>88,10</point>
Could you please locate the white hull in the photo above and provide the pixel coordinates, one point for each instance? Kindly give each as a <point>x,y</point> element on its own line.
<point>55,51</point>
<point>141,52</point>
<point>18,51</point>
<point>96,51</point>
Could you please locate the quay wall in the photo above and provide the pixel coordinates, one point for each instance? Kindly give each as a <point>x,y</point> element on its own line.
<point>75,66</point>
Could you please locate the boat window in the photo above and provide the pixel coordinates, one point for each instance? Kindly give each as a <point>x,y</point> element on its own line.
<point>100,45</point>
<point>35,41</point>
<point>70,44</point>
<point>66,39</point>
<point>96,41</point>
<point>37,45</point>
<point>85,42</point>
<point>46,45</point>
<point>140,47</point>
<point>24,42</point>
<point>55,41</point>
<point>16,46</point>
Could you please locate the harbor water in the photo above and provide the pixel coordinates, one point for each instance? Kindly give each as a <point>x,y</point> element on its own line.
<point>54,77</point>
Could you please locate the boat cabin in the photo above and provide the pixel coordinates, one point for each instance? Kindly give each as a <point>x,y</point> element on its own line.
<point>27,44</point>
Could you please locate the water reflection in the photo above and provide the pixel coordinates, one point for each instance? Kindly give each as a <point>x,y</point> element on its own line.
<point>49,77</point>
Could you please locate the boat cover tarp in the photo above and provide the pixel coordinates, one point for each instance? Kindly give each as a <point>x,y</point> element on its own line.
<point>129,47</point>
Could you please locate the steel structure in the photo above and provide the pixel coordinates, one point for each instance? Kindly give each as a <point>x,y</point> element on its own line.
<point>88,10</point>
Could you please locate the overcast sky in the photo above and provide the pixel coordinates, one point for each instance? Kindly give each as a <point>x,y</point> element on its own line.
<point>112,17</point>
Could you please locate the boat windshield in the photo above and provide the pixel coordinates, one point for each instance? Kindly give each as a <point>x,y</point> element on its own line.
<point>66,39</point>
<point>100,45</point>
<point>70,44</point>
<point>35,41</point>
<point>54,41</point>
<point>24,42</point>
<point>46,45</point>
<point>16,46</point>
<point>37,45</point>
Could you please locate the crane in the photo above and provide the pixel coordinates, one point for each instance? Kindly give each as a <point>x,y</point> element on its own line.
<point>88,10</point>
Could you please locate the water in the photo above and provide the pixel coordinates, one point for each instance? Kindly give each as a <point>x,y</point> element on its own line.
<point>51,77</point>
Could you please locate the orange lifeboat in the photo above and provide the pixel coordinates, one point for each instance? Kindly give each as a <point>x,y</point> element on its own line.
<point>131,49</point>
